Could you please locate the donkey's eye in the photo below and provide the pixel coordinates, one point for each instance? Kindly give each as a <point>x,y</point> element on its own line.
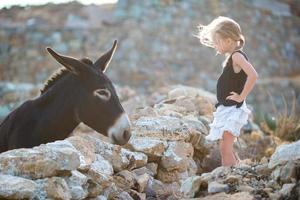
<point>103,94</point>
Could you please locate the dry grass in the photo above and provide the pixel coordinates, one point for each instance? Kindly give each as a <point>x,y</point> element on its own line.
<point>287,122</point>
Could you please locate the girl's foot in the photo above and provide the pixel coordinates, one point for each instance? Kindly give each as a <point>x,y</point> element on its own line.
<point>237,158</point>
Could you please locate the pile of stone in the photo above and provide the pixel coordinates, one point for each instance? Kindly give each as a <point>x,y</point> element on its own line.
<point>167,157</point>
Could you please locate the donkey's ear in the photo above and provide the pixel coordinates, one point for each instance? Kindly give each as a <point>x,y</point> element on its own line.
<point>103,62</point>
<point>72,64</point>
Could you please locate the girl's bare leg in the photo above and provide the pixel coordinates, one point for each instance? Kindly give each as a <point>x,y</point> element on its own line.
<point>226,149</point>
<point>221,146</point>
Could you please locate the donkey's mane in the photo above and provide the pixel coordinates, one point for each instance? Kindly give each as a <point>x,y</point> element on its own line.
<point>58,74</point>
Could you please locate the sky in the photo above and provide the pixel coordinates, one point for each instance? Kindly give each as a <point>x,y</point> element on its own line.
<point>9,3</point>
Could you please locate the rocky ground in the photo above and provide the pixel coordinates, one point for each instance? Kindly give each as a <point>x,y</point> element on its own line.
<point>167,157</point>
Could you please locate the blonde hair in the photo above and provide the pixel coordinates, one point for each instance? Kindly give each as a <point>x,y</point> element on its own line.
<point>225,27</point>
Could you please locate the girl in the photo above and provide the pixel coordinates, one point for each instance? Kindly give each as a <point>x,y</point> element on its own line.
<point>234,84</point>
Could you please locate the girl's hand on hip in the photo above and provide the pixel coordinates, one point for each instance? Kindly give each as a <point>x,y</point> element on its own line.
<point>235,96</point>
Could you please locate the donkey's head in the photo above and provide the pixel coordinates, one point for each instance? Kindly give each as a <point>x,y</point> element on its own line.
<point>98,105</point>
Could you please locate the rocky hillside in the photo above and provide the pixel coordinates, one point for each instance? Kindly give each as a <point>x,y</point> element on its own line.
<point>156,43</point>
<point>167,157</point>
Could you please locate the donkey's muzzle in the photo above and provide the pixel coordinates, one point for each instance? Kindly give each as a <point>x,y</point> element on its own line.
<point>120,132</point>
<point>126,135</point>
<point>124,140</point>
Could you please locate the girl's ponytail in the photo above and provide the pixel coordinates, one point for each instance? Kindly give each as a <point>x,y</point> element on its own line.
<point>242,42</point>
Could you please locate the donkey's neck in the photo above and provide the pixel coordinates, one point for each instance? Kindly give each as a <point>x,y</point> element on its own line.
<point>59,102</point>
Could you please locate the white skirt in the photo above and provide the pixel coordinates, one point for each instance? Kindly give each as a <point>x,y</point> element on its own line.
<point>228,118</point>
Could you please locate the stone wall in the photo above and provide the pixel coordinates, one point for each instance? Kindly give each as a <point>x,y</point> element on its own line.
<point>156,43</point>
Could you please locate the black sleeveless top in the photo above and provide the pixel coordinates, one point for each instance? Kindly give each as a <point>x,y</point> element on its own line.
<point>230,81</point>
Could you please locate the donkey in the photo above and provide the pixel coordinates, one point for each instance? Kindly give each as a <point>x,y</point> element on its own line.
<point>77,92</point>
